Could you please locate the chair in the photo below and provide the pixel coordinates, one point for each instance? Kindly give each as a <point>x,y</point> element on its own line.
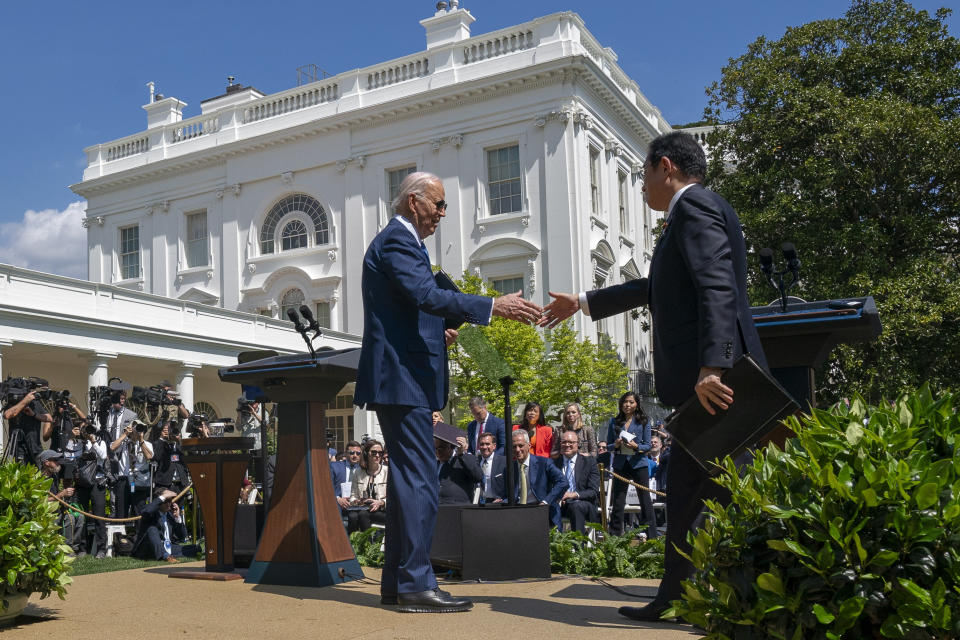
<point>111,530</point>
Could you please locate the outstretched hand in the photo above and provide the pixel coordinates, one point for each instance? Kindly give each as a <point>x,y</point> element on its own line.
<point>563,306</point>
<point>514,307</point>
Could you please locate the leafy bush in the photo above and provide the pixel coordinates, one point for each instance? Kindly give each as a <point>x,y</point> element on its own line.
<point>33,556</point>
<point>853,531</point>
<point>613,556</point>
<point>366,546</point>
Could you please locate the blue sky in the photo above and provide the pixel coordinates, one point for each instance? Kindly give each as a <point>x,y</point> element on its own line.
<point>74,74</point>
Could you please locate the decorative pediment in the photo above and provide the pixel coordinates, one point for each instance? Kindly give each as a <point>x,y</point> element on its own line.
<point>196,294</point>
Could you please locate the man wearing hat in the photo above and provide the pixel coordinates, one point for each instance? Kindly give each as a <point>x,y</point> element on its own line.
<point>71,522</point>
<point>458,471</point>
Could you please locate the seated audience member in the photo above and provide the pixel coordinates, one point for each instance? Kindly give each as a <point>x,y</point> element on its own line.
<point>458,472</point>
<point>368,493</point>
<point>484,422</point>
<point>342,473</point>
<point>572,420</point>
<point>161,530</point>
<point>538,479</point>
<point>541,434</point>
<point>661,459</point>
<point>248,492</point>
<point>604,456</point>
<point>493,466</point>
<point>579,501</point>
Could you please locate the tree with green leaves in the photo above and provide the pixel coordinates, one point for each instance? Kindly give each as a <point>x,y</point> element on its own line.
<point>552,372</point>
<point>843,136</point>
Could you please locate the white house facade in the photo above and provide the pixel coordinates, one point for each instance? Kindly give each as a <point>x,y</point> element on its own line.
<point>263,202</point>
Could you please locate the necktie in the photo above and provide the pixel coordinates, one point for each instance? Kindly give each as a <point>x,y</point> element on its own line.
<point>523,483</point>
<point>570,481</point>
<point>167,546</point>
<point>426,253</point>
<point>113,428</point>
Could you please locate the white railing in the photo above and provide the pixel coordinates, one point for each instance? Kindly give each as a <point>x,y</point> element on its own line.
<point>195,127</point>
<point>127,147</point>
<point>291,100</point>
<point>404,69</point>
<point>496,44</point>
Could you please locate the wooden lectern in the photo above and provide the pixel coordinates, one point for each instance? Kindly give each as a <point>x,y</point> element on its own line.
<point>304,542</point>
<point>216,476</point>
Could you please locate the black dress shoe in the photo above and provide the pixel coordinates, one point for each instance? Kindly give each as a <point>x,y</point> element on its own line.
<point>391,599</point>
<point>648,613</point>
<point>432,601</point>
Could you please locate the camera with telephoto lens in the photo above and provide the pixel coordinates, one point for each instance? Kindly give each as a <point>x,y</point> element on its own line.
<point>103,397</point>
<point>155,396</point>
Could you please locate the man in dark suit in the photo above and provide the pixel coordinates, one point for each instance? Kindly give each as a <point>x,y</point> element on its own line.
<point>403,376</point>
<point>161,529</point>
<point>539,481</point>
<point>484,422</point>
<point>458,471</point>
<point>697,295</point>
<point>343,471</point>
<point>579,501</point>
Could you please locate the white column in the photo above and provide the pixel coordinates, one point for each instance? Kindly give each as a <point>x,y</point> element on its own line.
<point>3,432</point>
<point>98,373</point>
<point>185,383</point>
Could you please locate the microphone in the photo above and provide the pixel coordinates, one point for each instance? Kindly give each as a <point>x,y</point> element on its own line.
<point>766,261</point>
<point>790,255</point>
<point>306,313</point>
<point>295,319</point>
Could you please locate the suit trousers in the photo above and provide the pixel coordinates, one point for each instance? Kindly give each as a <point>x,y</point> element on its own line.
<point>93,500</point>
<point>579,512</point>
<point>413,491</point>
<point>689,485</point>
<point>642,477</point>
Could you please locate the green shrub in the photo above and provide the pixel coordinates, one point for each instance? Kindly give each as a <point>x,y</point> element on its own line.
<point>33,556</point>
<point>851,532</point>
<point>366,546</point>
<point>613,556</point>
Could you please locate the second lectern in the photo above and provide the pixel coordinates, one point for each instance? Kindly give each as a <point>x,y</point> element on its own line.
<point>303,542</point>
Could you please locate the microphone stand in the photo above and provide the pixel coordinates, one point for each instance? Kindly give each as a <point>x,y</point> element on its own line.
<point>302,330</point>
<point>775,278</point>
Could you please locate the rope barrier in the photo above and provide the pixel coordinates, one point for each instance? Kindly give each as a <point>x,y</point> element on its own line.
<point>104,518</point>
<point>637,485</point>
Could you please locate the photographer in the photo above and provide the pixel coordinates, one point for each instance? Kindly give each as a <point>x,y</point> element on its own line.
<point>29,424</point>
<point>122,450</point>
<point>91,485</point>
<point>170,472</point>
<point>172,405</point>
<point>161,528</point>
<point>248,417</point>
<point>65,415</point>
<point>198,426</point>
<point>54,466</point>
<point>140,468</point>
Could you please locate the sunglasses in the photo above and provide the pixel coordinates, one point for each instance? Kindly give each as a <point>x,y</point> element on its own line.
<point>353,453</point>
<point>441,205</point>
<point>375,452</point>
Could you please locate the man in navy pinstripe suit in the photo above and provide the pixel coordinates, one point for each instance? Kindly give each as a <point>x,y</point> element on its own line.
<point>403,376</point>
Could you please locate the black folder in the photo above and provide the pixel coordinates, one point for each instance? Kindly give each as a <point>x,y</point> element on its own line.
<point>759,405</point>
<point>446,282</point>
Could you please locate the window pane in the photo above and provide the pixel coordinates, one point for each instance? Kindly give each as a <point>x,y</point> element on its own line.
<point>506,286</point>
<point>197,255</point>
<point>503,180</point>
<point>291,300</point>
<point>394,178</point>
<point>323,314</point>
<point>130,253</point>
<point>294,236</point>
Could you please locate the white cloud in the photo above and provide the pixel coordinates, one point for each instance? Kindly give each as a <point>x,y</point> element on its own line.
<point>49,240</point>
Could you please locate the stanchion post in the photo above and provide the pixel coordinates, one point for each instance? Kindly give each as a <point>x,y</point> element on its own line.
<point>603,498</point>
<point>511,478</point>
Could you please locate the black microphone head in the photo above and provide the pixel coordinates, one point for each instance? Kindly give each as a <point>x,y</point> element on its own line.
<point>789,251</point>
<point>306,313</point>
<point>292,314</point>
<point>766,256</point>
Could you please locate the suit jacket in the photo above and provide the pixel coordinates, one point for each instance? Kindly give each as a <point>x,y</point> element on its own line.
<point>495,426</point>
<point>338,475</point>
<point>547,483</point>
<point>403,359</point>
<point>642,433</point>
<point>151,516</point>
<point>458,479</point>
<point>498,475</point>
<point>697,294</point>
<point>586,476</point>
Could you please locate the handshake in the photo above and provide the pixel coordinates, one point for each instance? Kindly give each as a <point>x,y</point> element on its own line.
<point>514,307</point>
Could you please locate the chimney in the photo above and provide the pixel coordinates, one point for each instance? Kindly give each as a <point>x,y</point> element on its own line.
<point>447,25</point>
<point>163,111</point>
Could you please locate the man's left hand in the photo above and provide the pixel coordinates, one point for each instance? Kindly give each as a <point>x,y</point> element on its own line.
<point>451,335</point>
<point>711,391</point>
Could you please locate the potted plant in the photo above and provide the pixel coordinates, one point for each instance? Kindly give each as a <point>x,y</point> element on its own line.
<point>33,556</point>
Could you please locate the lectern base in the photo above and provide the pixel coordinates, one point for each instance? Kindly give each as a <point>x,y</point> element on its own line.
<point>302,574</point>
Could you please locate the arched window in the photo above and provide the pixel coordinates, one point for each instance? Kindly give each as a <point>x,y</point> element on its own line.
<point>206,409</point>
<point>301,203</point>
<point>294,236</point>
<point>292,299</point>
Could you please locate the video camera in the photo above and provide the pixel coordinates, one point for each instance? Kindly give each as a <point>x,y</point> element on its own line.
<point>222,426</point>
<point>155,396</point>
<point>103,397</point>
<point>12,390</point>
<point>194,424</point>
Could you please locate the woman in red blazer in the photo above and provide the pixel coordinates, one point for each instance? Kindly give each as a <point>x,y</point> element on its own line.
<point>542,435</point>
